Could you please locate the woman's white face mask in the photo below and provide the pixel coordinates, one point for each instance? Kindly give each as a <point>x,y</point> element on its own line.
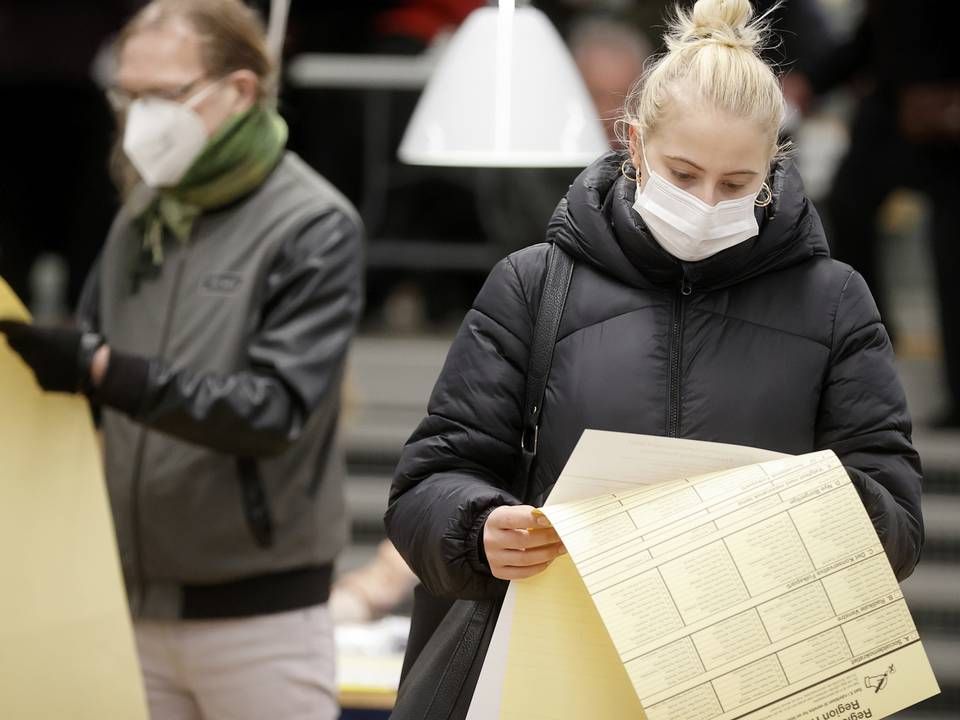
<point>687,227</point>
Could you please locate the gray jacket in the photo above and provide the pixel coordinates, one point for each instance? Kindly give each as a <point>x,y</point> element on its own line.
<point>224,474</point>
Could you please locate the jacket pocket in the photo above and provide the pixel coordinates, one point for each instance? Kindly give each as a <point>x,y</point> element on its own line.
<point>256,509</point>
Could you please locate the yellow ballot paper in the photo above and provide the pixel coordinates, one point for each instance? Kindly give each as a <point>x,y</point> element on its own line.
<point>554,614</point>
<point>760,593</point>
<point>553,608</point>
<point>66,645</point>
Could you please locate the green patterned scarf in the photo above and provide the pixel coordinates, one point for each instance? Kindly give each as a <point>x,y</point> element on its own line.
<point>236,160</point>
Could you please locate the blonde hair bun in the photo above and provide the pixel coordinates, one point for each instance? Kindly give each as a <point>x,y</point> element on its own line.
<point>724,22</point>
<point>714,50</point>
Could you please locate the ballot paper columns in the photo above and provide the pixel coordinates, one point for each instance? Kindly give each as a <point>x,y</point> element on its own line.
<point>760,592</point>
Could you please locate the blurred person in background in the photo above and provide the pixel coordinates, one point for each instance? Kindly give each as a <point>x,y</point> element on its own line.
<point>214,329</point>
<point>610,54</point>
<point>373,590</point>
<point>905,133</point>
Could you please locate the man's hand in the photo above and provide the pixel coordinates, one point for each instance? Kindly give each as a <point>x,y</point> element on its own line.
<point>519,543</point>
<point>59,357</point>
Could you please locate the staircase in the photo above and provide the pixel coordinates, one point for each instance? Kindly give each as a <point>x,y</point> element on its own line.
<point>933,591</point>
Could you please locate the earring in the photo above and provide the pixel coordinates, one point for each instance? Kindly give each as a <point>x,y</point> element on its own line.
<point>623,171</point>
<point>767,199</point>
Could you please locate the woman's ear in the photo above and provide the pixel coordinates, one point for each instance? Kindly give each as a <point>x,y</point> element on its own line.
<point>633,146</point>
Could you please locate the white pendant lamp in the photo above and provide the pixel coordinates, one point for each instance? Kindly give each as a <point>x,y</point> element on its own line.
<point>506,93</point>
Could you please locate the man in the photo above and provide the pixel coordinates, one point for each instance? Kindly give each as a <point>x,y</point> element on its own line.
<point>610,55</point>
<point>213,333</point>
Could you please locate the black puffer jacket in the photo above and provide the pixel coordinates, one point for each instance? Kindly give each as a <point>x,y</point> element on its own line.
<point>770,343</point>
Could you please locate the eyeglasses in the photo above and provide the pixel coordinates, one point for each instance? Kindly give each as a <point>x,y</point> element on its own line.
<point>121,99</point>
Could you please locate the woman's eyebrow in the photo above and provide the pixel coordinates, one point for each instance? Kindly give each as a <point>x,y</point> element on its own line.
<point>690,162</point>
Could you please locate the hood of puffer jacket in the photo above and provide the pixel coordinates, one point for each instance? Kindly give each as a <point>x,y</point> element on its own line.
<point>596,224</point>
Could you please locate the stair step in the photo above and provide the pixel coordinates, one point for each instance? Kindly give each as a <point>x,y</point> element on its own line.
<point>933,586</point>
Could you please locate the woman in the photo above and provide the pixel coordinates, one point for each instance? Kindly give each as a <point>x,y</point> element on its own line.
<point>703,305</point>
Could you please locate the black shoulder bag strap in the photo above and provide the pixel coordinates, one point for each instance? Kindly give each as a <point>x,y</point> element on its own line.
<point>442,679</point>
<point>552,302</point>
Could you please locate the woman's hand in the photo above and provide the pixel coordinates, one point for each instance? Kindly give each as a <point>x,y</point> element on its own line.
<point>519,543</point>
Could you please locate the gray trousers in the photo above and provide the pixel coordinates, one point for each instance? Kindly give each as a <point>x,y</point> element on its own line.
<point>277,666</point>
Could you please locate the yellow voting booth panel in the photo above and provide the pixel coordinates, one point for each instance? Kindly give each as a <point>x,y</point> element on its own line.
<point>66,645</point>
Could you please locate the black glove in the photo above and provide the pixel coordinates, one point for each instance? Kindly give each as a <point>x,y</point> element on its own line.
<point>59,357</point>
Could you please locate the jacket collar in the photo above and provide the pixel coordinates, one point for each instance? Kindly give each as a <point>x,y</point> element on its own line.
<point>596,223</point>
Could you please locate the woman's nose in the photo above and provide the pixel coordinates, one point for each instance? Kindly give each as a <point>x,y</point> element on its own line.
<point>709,195</point>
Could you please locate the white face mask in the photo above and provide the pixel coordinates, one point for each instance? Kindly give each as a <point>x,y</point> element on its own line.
<point>686,226</point>
<point>163,137</point>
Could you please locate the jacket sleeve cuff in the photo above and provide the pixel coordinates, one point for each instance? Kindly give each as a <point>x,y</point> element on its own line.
<point>477,555</point>
<point>124,384</point>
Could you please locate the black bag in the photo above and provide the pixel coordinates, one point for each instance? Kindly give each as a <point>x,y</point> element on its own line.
<point>442,665</point>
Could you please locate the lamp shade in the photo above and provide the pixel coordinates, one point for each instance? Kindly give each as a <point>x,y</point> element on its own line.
<point>506,93</point>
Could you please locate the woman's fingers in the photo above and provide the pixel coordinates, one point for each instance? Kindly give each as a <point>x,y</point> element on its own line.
<point>522,539</point>
<point>521,573</point>
<point>520,526</point>
<point>517,517</point>
<point>528,539</point>
<point>525,558</point>
<point>519,542</point>
<point>518,564</point>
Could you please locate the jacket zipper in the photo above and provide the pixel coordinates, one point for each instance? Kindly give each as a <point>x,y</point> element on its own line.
<point>142,442</point>
<point>676,339</point>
